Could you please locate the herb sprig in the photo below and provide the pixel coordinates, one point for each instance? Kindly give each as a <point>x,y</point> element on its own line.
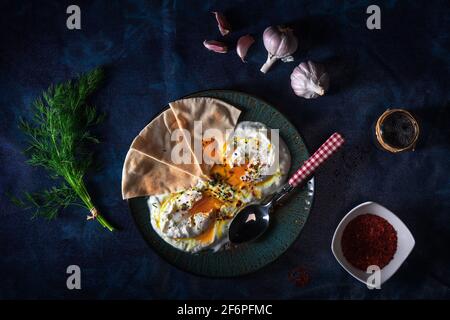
<point>59,135</point>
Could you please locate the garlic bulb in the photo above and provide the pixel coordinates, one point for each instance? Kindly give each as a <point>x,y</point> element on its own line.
<point>309,80</point>
<point>280,43</point>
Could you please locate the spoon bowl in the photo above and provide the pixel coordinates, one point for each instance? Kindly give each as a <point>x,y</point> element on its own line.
<point>250,223</point>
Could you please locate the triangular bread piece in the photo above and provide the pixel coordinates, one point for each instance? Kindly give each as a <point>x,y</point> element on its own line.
<point>143,175</point>
<point>212,114</point>
<point>156,141</point>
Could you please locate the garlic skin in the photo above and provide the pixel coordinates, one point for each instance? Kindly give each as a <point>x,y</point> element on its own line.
<point>222,23</point>
<point>309,80</point>
<point>215,46</point>
<point>280,43</point>
<point>243,44</point>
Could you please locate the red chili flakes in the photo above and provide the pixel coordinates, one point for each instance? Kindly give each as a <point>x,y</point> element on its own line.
<point>369,240</point>
<point>299,276</point>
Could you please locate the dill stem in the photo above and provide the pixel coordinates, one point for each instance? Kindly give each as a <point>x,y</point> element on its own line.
<point>81,191</point>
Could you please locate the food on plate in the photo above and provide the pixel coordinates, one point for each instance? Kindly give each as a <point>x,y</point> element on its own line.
<point>232,164</point>
<point>157,141</point>
<point>205,122</point>
<point>259,156</point>
<point>143,175</point>
<point>150,167</point>
<point>198,218</point>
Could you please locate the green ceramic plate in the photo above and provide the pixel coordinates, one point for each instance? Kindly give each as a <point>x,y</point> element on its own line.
<point>288,220</point>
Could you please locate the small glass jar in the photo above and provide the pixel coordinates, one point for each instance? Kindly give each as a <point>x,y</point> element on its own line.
<point>396,130</point>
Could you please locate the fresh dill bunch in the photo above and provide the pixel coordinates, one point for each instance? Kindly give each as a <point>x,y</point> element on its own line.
<point>58,136</point>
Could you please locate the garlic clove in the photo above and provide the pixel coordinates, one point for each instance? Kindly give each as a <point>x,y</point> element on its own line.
<point>243,44</point>
<point>215,46</point>
<point>309,80</point>
<point>222,23</point>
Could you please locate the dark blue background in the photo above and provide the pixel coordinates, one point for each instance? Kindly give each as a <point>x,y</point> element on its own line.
<point>153,54</point>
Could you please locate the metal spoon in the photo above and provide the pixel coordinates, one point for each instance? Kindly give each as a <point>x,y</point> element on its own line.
<point>253,220</point>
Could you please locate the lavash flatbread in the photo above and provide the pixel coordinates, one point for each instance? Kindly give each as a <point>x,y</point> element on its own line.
<point>149,168</point>
<point>213,114</point>
<point>143,175</point>
<point>156,141</point>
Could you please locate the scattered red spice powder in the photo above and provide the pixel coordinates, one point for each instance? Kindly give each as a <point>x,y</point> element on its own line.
<point>299,276</point>
<point>369,240</point>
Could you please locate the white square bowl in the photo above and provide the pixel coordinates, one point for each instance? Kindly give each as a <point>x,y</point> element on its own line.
<point>405,241</point>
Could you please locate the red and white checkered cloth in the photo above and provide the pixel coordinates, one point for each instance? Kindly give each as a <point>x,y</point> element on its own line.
<point>323,153</point>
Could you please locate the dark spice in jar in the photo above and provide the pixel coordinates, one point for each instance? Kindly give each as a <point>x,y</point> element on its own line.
<point>369,240</point>
<point>396,130</point>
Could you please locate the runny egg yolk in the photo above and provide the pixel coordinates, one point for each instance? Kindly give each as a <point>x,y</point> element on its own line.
<point>232,175</point>
<point>206,204</point>
<point>208,235</point>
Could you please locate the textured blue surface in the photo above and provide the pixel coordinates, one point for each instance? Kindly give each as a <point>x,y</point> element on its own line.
<point>153,52</point>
